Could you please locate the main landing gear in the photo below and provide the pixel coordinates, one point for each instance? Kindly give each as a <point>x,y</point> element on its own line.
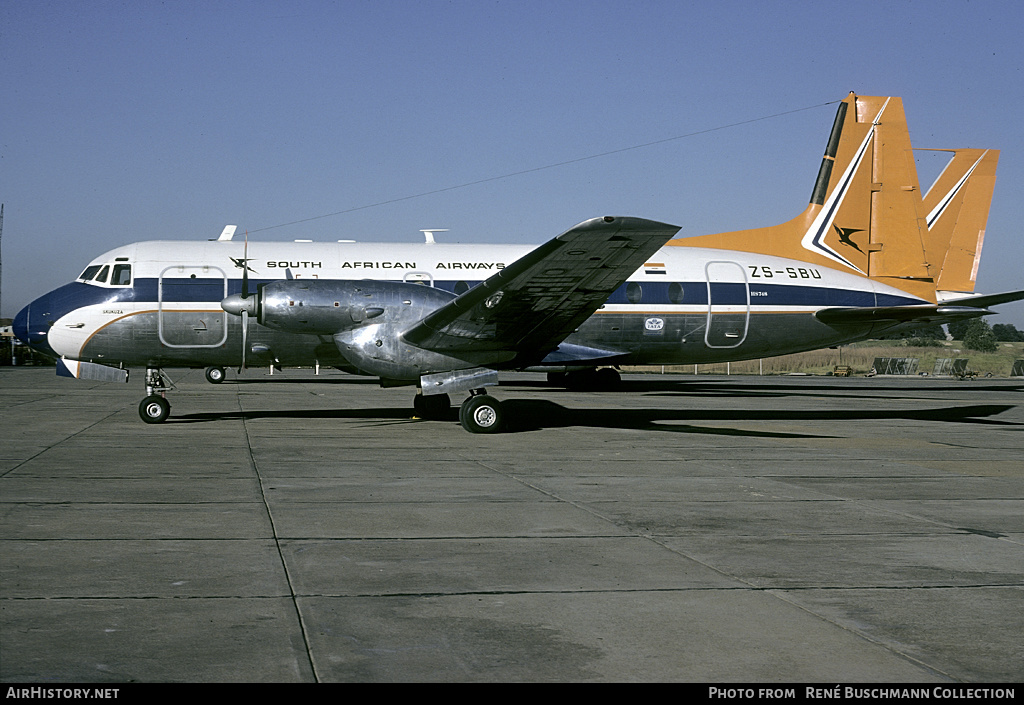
<point>155,408</point>
<point>481,413</point>
<point>433,406</point>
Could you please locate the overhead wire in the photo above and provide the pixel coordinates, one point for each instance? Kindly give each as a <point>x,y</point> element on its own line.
<point>543,168</point>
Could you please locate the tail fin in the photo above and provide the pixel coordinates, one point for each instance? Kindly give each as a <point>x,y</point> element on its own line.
<point>957,207</point>
<point>865,214</point>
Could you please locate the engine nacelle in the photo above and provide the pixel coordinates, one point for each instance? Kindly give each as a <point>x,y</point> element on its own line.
<point>328,307</point>
<point>366,318</point>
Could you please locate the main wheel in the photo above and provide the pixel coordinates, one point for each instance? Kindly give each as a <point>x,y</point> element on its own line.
<point>154,409</point>
<point>432,406</point>
<point>556,379</point>
<point>215,375</point>
<point>607,379</point>
<point>481,414</point>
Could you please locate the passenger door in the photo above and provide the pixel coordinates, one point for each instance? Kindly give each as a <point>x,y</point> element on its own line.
<point>188,306</point>
<point>728,304</point>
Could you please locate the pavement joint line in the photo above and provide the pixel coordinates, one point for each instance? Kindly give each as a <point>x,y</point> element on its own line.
<point>645,536</point>
<point>277,544</point>
<point>63,440</point>
<point>771,589</point>
<point>862,634</point>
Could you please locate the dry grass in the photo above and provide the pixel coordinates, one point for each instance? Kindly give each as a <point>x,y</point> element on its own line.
<point>860,357</point>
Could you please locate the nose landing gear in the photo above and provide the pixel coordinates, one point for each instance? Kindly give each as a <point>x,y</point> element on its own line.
<point>155,408</point>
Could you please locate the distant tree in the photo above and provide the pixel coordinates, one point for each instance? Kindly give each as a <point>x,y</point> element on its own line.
<point>930,333</point>
<point>923,342</point>
<point>1007,333</point>
<point>979,336</point>
<point>926,333</point>
<point>958,328</point>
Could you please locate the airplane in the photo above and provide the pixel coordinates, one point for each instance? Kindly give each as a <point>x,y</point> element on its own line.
<point>860,260</point>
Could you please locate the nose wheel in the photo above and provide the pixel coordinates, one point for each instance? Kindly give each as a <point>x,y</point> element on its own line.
<point>155,408</point>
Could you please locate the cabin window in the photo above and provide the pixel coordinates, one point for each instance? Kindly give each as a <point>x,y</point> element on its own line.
<point>634,293</point>
<point>461,288</point>
<point>122,275</point>
<point>675,293</point>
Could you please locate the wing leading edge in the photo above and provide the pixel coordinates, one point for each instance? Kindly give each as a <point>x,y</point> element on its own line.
<point>532,305</point>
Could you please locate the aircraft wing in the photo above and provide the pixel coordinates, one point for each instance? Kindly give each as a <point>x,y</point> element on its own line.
<point>533,304</point>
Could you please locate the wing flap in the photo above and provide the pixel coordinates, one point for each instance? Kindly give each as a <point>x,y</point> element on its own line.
<point>567,354</point>
<point>533,304</point>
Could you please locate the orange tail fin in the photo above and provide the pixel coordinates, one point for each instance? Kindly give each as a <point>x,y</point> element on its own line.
<point>865,214</point>
<point>957,207</point>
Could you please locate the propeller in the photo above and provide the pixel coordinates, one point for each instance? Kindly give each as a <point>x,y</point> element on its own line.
<point>242,304</point>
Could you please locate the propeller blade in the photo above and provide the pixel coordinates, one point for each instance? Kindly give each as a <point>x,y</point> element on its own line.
<point>245,335</point>
<point>242,304</point>
<point>245,267</point>
<point>245,296</point>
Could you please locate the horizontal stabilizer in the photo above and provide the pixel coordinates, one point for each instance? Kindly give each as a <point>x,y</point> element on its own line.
<point>944,312</point>
<point>985,301</point>
<point>927,314</point>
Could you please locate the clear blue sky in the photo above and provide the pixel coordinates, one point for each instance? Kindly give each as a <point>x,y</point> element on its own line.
<point>135,120</point>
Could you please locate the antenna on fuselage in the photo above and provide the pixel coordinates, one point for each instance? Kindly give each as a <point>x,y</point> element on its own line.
<point>228,233</point>
<point>429,234</point>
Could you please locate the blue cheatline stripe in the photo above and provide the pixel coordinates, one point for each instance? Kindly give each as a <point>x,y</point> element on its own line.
<point>661,293</point>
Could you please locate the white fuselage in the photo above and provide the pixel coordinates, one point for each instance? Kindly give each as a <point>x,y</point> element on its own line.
<point>158,302</point>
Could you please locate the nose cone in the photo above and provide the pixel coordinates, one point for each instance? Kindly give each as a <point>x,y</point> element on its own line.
<point>32,328</point>
<point>20,325</point>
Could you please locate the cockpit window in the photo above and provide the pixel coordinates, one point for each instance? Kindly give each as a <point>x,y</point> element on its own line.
<point>122,275</point>
<point>90,272</point>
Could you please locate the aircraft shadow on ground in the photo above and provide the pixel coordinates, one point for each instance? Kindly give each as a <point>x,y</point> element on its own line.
<point>525,415</point>
<point>281,379</point>
<point>734,388</point>
<point>687,387</point>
